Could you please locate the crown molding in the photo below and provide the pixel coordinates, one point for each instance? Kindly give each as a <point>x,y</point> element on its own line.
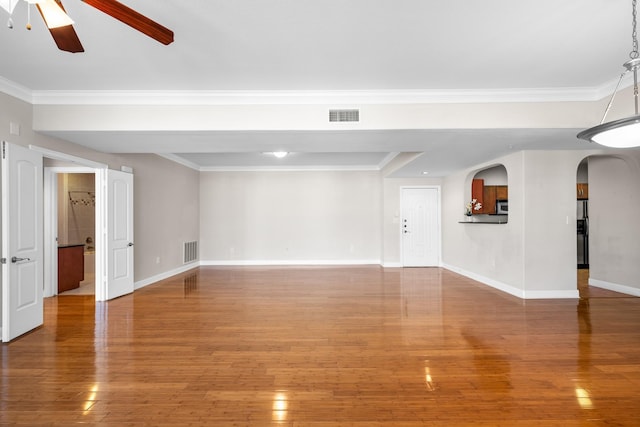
<point>384,162</point>
<point>455,96</point>
<point>310,168</point>
<point>316,168</point>
<point>179,160</point>
<point>310,97</point>
<point>17,91</point>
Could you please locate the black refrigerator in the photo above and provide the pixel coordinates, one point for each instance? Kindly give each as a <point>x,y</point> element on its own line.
<point>583,233</point>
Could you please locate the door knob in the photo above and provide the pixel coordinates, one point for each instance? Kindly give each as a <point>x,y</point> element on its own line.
<point>130,244</point>
<point>16,259</point>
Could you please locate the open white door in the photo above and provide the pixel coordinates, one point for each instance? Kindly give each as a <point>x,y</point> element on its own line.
<point>420,227</point>
<point>22,252</point>
<point>119,239</point>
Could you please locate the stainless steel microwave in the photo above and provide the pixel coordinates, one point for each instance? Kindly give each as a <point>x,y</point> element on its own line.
<point>502,207</point>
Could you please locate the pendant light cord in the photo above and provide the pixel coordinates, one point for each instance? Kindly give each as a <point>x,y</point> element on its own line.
<point>634,56</point>
<point>631,65</point>
<point>634,35</point>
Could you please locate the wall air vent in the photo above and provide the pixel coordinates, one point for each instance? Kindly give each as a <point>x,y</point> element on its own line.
<point>190,252</point>
<point>344,115</point>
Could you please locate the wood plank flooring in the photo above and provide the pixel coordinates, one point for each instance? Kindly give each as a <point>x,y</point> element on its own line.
<point>325,346</point>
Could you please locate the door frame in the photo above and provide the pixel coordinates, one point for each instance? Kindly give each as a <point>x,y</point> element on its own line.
<point>438,214</point>
<point>51,217</point>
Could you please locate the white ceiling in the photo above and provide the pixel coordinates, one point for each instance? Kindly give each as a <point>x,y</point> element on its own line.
<point>333,45</point>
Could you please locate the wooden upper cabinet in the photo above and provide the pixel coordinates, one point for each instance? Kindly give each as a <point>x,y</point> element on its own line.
<point>582,191</point>
<point>502,192</point>
<point>488,195</point>
<point>489,205</point>
<point>477,192</point>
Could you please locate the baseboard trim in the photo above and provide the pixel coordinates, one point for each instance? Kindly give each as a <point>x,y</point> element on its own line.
<point>572,294</point>
<point>511,290</point>
<point>153,279</point>
<point>392,265</point>
<point>615,287</point>
<point>487,281</point>
<point>289,262</point>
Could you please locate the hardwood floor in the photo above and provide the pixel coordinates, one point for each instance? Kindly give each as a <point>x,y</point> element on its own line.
<point>320,346</point>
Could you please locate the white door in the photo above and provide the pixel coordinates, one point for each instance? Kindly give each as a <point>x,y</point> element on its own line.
<point>420,227</point>
<point>119,239</point>
<point>22,252</point>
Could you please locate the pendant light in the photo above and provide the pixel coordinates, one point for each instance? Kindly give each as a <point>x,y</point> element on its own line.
<point>623,133</point>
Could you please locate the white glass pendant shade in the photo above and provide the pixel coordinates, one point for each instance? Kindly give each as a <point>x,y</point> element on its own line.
<point>623,133</point>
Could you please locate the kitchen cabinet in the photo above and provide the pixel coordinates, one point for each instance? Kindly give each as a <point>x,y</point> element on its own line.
<point>582,191</point>
<point>491,194</point>
<point>488,195</point>
<point>489,205</point>
<point>502,192</point>
<point>70,267</point>
<point>477,192</point>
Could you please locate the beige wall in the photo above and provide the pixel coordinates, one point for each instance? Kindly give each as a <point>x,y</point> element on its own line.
<point>281,217</point>
<point>614,229</point>
<point>166,207</point>
<point>76,209</point>
<point>166,210</point>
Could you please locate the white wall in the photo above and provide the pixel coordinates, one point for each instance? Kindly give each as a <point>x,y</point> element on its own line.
<point>299,113</point>
<point>290,217</point>
<point>550,250</point>
<point>490,253</point>
<point>614,228</point>
<point>534,255</point>
<point>493,176</point>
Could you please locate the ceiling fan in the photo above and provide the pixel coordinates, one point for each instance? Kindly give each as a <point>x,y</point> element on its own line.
<point>61,28</point>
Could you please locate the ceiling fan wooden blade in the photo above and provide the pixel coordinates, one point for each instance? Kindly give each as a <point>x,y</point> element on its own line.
<point>65,37</point>
<point>133,19</point>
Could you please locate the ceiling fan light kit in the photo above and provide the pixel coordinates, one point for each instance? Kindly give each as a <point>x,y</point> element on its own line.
<point>622,133</point>
<point>53,14</point>
<point>60,25</point>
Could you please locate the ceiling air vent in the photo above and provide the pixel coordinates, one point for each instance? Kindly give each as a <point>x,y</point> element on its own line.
<point>344,115</point>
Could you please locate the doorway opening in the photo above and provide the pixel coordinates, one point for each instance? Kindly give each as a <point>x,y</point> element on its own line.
<point>113,236</point>
<point>76,233</point>
<point>582,225</point>
<point>71,230</point>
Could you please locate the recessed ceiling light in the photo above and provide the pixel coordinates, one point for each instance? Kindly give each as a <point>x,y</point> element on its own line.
<point>278,154</point>
<point>425,173</point>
